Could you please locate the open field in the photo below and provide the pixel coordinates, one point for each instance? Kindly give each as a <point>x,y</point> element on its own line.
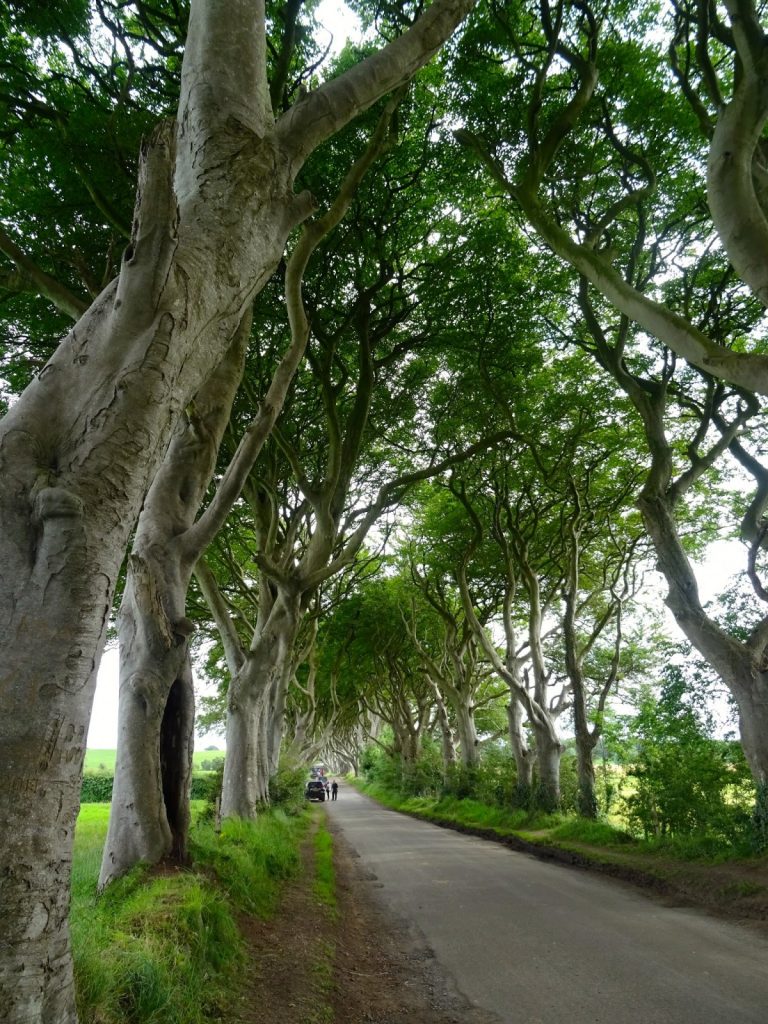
<point>104,760</point>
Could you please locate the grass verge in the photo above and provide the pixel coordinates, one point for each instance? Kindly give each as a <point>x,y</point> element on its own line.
<point>560,830</point>
<point>164,946</point>
<point>325,874</point>
<point>324,891</point>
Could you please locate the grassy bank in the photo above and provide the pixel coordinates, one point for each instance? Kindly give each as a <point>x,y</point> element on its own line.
<point>564,830</point>
<point>163,946</point>
<point>694,870</point>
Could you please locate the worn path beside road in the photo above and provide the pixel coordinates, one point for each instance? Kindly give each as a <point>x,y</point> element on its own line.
<point>539,943</point>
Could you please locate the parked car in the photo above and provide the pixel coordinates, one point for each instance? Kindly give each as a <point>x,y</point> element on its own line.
<point>315,790</point>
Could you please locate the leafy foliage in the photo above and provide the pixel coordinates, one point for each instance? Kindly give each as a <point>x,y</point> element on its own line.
<point>687,783</point>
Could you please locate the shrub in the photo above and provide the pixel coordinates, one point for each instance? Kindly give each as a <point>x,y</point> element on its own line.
<point>686,782</point>
<point>286,787</point>
<point>96,789</point>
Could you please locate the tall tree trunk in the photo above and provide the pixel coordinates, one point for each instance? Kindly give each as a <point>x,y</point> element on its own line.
<point>254,695</point>
<point>447,745</point>
<point>548,754</point>
<point>741,665</point>
<point>78,450</point>
<point>245,788</point>
<point>154,632</point>
<point>585,767</point>
<point>521,752</point>
<point>140,826</point>
<point>469,748</point>
<point>277,705</point>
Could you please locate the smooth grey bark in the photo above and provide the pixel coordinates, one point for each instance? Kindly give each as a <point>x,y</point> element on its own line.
<point>521,753</point>
<point>215,205</point>
<point>154,634</point>
<point>735,158</point>
<point>447,746</point>
<point>469,744</point>
<point>549,752</point>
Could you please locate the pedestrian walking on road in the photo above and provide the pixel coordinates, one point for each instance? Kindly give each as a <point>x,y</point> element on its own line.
<point>334,789</point>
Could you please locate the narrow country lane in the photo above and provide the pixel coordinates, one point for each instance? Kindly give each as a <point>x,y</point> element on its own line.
<point>539,943</point>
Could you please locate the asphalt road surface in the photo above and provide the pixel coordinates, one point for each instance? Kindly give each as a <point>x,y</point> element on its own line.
<point>541,943</point>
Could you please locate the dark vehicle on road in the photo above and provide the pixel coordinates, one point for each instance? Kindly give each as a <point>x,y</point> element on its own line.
<point>315,790</point>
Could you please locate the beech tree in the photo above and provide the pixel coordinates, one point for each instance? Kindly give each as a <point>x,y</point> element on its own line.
<point>364,640</point>
<point>572,95</point>
<point>215,204</point>
<point>609,170</point>
<point>150,816</point>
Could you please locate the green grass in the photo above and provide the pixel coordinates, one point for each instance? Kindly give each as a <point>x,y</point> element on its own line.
<point>252,859</point>
<point>165,948</point>
<point>561,830</point>
<point>325,875</point>
<point>597,833</point>
<point>462,811</point>
<point>99,761</point>
<point>322,972</point>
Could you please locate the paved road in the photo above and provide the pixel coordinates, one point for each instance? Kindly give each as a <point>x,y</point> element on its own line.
<point>540,943</point>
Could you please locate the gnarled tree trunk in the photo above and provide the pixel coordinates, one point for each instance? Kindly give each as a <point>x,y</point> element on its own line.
<point>79,448</point>
<point>250,718</point>
<point>521,752</point>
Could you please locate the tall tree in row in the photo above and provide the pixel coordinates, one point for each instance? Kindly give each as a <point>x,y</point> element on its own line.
<point>79,448</point>
<point>608,171</point>
<point>348,445</point>
<point>150,814</point>
<point>452,659</point>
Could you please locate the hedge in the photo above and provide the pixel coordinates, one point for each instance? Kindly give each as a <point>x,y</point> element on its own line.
<point>97,788</point>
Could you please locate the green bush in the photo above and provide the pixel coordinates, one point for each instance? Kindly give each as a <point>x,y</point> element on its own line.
<point>411,778</point>
<point>686,782</point>
<point>495,778</point>
<point>96,789</point>
<point>286,787</point>
<point>206,787</point>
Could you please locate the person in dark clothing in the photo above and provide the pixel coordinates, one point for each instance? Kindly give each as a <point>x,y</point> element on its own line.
<point>334,789</point>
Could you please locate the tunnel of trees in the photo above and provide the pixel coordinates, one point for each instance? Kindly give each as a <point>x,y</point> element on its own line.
<point>388,384</point>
